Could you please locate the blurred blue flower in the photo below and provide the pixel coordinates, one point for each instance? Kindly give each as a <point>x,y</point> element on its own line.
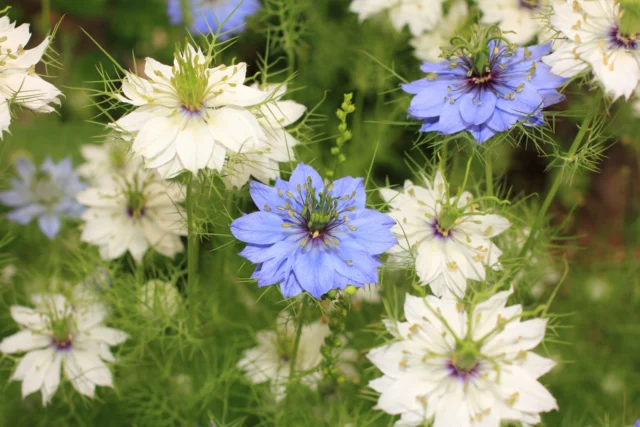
<point>208,15</point>
<point>637,424</point>
<point>512,86</point>
<point>47,193</point>
<point>313,236</point>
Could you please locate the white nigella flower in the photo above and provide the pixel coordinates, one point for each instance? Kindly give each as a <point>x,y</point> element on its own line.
<point>593,38</point>
<point>133,212</point>
<point>368,294</point>
<point>19,84</point>
<point>428,45</point>
<point>62,335</point>
<point>158,297</point>
<point>419,15</point>
<point>271,359</point>
<point>521,20</point>
<point>261,158</point>
<point>448,237</point>
<point>188,116</point>
<point>461,366</point>
<point>112,157</point>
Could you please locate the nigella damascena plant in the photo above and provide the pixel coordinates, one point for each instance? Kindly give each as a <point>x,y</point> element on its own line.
<point>187,116</point>
<point>486,86</point>
<point>448,237</point>
<point>464,366</point>
<point>593,36</point>
<point>19,83</point>
<point>47,193</point>
<point>313,236</point>
<point>62,335</point>
<point>133,212</point>
<point>227,17</point>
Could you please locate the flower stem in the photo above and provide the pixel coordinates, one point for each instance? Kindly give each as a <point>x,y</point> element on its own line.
<point>488,170</point>
<point>45,17</point>
<point>192,246</point>
<point>296,342</point>
<point>554,189</point>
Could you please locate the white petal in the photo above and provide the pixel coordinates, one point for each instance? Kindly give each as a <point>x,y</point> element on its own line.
<point>28,317</point>
<point>234,127</point>
<point>23,341</point>
<point>108,335</point>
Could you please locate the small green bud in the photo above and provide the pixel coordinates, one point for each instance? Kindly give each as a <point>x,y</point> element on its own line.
<point>341,114</point>
<point>332,293</point>
<point>342,127</point>
<point>351,290</point>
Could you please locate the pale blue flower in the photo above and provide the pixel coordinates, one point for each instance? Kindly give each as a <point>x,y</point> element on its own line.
<point>208,15</point>
<point>47,193</point>
<point>313,236</point>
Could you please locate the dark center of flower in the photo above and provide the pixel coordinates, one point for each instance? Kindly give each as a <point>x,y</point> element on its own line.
<point>465,361</point>
<point>61,337</point>
<point>136,204</point>
<point>623,41</point>
<point>530,4</point>
<point>190,81</point>
<point>446,220</point>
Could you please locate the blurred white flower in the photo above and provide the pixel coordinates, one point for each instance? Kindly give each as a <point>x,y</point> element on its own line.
<point>112,157</point>
<point>158,297</point>
<point>428,45</point>
<point>368,294</point>
<point>597,288</point>
<point>8,273</point>
<point>592,38</point>
<point>62,335</point>
<point>457,366</point>
<point>521,20</point>
<point>448,237</point>
<point>133,212</point>
<point>419,15</point>
<point>188,116</point>
<point>19,83</point>
<point>261,158</point>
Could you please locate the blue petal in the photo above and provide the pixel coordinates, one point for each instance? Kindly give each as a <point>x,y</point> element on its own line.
<point>174,10</point>
<point>25,168</point>
<point>302,173</point>
<point>443,68</point>
<point>450,120</point>
<point>551,97</point>
<point>261,253</point>
<point>429,103</point>
<point>228,16</point>
<point>265,197</point>
<point>259,228</point>
<point>349,186</point>
<point>26,214</point>
<point>501,120</point>
<point>362,268</point>
<point>430,125</point>
<point>290,287</point>
<point>481,133</point>
<point>476,107</point>
<point>69,207</point>
<point>50,225</point>
<point>315,270</point>
<point>370,229</point>
<point>14,198</point>
<point>527,101</point>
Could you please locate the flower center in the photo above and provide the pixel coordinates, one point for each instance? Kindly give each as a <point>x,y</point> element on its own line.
<point>530,4</point>
<point>61,337</point>
<point>190,81</point>
<point>136,204</point>
<point>45,191</point>
<point>465,361</point>
<point>622,40</point>
<point>118,156</point>
<point>444,223</point>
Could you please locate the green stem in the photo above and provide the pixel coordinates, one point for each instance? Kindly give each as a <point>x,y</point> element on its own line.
<point>186,13</point>
<point>488,170</point>
<point>443,156</point>
<point>45,17</point>
<point>192,246</point>
<point>554,189</point>
<point>296,342</point>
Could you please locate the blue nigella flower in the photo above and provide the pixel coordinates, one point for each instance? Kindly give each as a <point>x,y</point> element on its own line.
<point>47,193</point>
<point>207,15</point>
<point>313,236</point>
<point>637,424</point>
<point>485,90</point>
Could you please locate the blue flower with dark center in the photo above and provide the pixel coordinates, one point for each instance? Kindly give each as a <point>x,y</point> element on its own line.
<point>485,89</point>
<point>47,193</point>
<point>313,236</point>
<point>208,15</point>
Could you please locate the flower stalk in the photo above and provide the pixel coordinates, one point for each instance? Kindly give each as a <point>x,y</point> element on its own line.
<point>192,245</point>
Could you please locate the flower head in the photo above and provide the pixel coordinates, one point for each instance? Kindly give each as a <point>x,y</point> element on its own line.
<point>313,236</point>
<point>132,213</point>
<point>61,334</point>
<point>419,15</point>
<point>158,297</point>
<point>259,158</point>
<point>594,38</point>
<point>428,44</point>
<point>47,193</point>
<point>484,89</point>
<point>188,116</point>
<point>271,359</point>
<point>520,20</point>
<point>229,16</point>
<point>449,237</point>
<point>463,366</point>
<point>112,157</point>
<point>19,84</point>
